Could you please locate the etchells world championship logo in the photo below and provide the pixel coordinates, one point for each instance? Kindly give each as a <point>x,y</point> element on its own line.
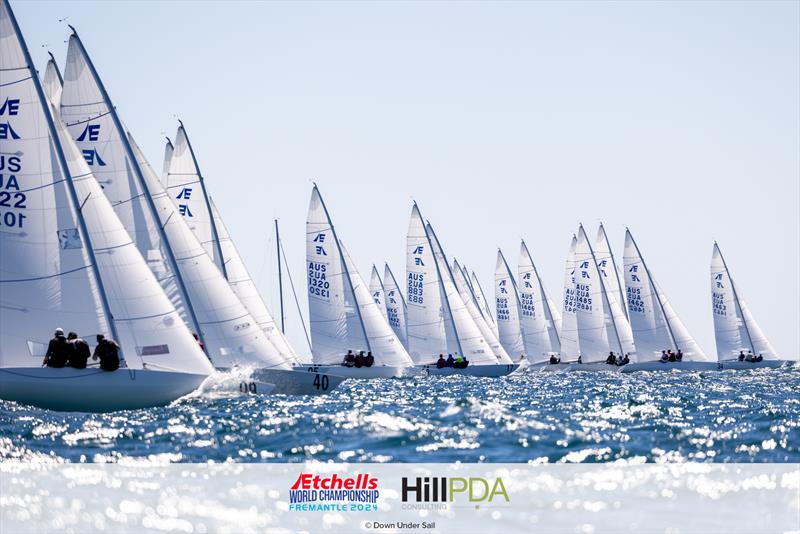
<point>315,493</point>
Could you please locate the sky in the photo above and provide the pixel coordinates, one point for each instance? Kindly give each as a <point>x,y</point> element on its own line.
<point>503,120</point>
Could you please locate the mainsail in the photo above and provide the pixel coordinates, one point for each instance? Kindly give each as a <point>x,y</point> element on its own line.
<point>342,313</point>
<point>570,348</point>
<point>71,264</point>
<point>735,328</point>
<point>655,325</point>
<point>378,293</point>
<point>52,82</point>
<point>539,318</point>
<point>396,310</point>
<point>607,265</point>
<point>602,327</point>
<point>507,302</point>
<point>230,335</point>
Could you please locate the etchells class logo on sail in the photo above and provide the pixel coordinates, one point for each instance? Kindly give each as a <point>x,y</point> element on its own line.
<point>419,493</point>
<point>315,493</point>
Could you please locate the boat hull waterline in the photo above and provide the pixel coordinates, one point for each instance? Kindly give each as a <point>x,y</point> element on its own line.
<point>94,390</point>
<point>376,371</point>
<point>299,381</point>
<point>490,371</point>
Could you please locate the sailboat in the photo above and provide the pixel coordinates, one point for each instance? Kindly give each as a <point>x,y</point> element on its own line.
<point>569,342</point>
<point>378,293</point>
<point>540,320</point>
<point>396,309</point>
<point>735,329</point>
<point>438,320</point>
<point>602,326</point>
<point>655,325</point>
<point>607,265</point>
<point>66,260</point>
<point>507,307</point>
<point>342,314</point>
<point>230,335</point>
<point>186,186</point>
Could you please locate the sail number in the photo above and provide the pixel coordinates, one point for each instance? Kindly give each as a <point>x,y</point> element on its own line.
<point>416,282</point>
<point>321,382</point>
<point>248,387</point>
<point>318,284</point>
<point>11,198</point>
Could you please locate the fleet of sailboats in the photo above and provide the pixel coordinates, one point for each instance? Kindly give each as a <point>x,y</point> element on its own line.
<point>93,238</point>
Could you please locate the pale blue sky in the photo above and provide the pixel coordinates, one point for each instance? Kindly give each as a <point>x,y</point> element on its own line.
<point>503,120</point>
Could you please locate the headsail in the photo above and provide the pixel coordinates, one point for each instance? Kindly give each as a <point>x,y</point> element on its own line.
<point>396,310</point>
<point>655,325</point>
<point>377,292</point>
<point>570,348</point>
<point>539,319</point>
<point>52,83</point>
<point>507,302</point>
<point>73,264</point>
<point>607,265</point>
<point>735,328</point>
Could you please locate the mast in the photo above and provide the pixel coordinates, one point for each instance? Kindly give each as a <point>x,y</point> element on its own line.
<point>62,161</point>
<point>280,275</point>
<point>214,233</point>
<point>346,270</point>
<point>544,296</point>
<point>616,271</point>
<point>605,292</point>
<point>112,111</point>
<point>736,299</point>
<point>655,291</point>
<point>439,273</point>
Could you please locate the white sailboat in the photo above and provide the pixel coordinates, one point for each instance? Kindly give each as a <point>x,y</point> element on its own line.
<point>186,186</point>
<point>735,329</point>
<point>655,325</point>
<point>377,292</point>
<point>602,327</point>
<point>607,265</point>
<point>66,260</point>
<point>230,335</point>
<point>438,320</point>
<point>396,309</point>
<point>52,82</point>
<point>539,318</point>
<point>342,314</point>
<point>507,308</point>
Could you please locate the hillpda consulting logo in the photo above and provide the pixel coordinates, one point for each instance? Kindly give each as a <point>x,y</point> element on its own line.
<point>436,493</point>
<point>315,493</point>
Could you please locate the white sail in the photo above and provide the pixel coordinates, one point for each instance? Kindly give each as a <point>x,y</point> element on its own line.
<point>377,292</point>
<point>472,345</point>
<point>507,303</point>
<point>570,349</point>
<point>168,150</point>
<point>230,334</point>
<point>245,288</point>
<point>608,267</point>
<point>539,319</point>
<point>427,335</point>
<point>602,327</point>
<point>655,325</point>
<point>483,303</point>
<point>185,187</point>
<point>72,264</point>
<point>52,82</point>
<point>396,310</point>
<point>735,329</point>
<point>342,314</point>
<point>486,331</point>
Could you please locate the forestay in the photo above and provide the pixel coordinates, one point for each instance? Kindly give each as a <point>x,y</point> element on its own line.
<point>507,307</point>
<point>655,325</point>
<point>539,319</point>
<point>396,310</point>
<point>570,348</point>
<point>735,329</point>
<point>61,266</point>
<point>378,293</point>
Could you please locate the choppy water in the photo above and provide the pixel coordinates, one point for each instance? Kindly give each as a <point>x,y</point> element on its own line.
<point>746,416</point>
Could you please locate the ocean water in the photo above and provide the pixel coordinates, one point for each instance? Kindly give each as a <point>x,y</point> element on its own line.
<point>730,416</point>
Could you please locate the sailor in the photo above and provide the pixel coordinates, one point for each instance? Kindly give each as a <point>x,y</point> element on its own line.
<point>349,359</point>
<point>679,356</point>
<point>441,363</point>
<point>451,362</point>
<point>626,360</point>
<point>197,338</point>
<point>79,351</point>
<point>580,358</point>
<point>369,359</point>
<point>611,360</point>
<point>750,357</point>
<point>459,363</point>
<point>664,356</point>
<point>741,355</point>
<point>671,355</point>
<point>107,351</point>
<point>464,363</point>
<point>759,358</point>
<point>57,350</point>
<point>360,359</point>
<point>554,359</point>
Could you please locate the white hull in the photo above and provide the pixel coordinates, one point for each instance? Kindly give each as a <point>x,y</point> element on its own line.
<point>736,365</point>
<point>547,367</point>
<point>590,367</point>
<point>94,390</point>
<point>670,366</point>
<point>298,381</point>
<point>376,371</point>
<point>492,371</point>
